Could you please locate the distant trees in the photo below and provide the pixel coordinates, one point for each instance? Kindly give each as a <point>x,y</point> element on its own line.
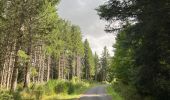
<point>141,51</point>
<point>97,66</point>
<point>88,61</point>
<point>102,65</point>
<point>105,63</point>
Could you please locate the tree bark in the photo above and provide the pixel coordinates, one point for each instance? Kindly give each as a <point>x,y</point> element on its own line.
<point>59,68</point>
<point>48,67</point>
<point>16,64</point>
<point>27,67</point>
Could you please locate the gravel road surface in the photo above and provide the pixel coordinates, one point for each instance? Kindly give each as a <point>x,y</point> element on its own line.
<point>96,93</point>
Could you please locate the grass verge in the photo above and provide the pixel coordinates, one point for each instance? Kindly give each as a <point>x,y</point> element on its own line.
<point>111,91</point>
<point>52,90</point>
<point>65,96</point>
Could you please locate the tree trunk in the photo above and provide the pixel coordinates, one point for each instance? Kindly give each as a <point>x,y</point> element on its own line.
<point>48,67</point>
<point>9,68</point>
<point>27,67</point>
<point>16,65</point>
<point>42,65</point>
<point>59,68</point>
<point>17,48</point>
<point>39,64</point>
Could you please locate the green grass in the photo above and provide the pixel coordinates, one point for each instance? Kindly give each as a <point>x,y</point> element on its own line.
<point>60,97</point>
<point>111,91</point>
<point>78,89</point>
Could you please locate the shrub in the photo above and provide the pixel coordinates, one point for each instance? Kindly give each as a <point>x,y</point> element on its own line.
<point>75,80</point>
<point>17,95</point>
<point>128,92</point>
<point>20,87</point>
<point>71,88</point>
<point>61,87</point>
<point>39,92</point>
<point>50,87</point>
<point>36,92</point>
<point>5,96</point>
<point>32,93</point>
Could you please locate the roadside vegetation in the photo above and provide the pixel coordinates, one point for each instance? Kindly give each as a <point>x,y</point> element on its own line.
<point>113,93</point>
<point>52,90</point>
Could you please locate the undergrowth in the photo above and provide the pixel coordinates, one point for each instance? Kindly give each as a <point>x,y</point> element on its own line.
<point>57,89</point>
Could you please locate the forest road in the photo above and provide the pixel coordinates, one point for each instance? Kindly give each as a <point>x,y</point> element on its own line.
<point>96,93</point>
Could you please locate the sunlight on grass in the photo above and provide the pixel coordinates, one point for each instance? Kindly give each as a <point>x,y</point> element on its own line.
<point>52,90</point>
<point>61,96</point>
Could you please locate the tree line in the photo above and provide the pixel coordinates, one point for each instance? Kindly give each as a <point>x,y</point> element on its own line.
<point>141,61</point>
<point>37,46</point>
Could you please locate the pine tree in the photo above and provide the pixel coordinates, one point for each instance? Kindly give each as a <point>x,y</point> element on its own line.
<point>97,66</point>
<point>88,61</point>
<point>105,63</point>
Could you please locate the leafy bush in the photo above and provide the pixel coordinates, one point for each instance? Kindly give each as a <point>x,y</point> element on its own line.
<point>5,96</point>
<point>53,87</point>
<point>71,88</point>
<point>39,92</point>
<point>75,80</point>
<point>35,92</point>
<point>20,87</point>
<point>61,87</point>
<point>128,92</point>
<point>50,87</point>
<point>17,95</point>
<point>114,94</point>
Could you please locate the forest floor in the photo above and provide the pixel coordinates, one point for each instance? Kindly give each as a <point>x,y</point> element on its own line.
<point>96,93</point>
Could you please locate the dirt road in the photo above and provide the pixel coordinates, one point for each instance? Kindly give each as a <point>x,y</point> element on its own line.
<point>96,93</point>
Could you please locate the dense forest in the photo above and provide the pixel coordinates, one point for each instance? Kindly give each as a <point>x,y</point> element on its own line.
<point>38,46</point>
<point>44,55</point>
<point>140,68</point>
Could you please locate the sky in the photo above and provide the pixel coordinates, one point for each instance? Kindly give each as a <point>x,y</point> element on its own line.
<point>83,14</point>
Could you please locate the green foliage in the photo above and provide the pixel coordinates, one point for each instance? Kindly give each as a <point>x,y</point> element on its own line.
<point>126,91</point>
<point>71,88</point>
<point>65,87</point>
<point>97,66</point>
<point>61,87</point>
<point>113,93</point>
<point>51,88</point>
<point>24,57</point>
<point>88,61</point>
<point>33,72</point>
<point>5,96</point>
<point>105,63</point>
<point>25,27</point>
<point>76,38</point>
<point>141,61</point>
<point>17,95</point>
<point>39,91</point>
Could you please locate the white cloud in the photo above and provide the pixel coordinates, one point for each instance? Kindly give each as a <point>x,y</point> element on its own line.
<point>98,44</point>
<point>81,2</point>
<point>82,13</point>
